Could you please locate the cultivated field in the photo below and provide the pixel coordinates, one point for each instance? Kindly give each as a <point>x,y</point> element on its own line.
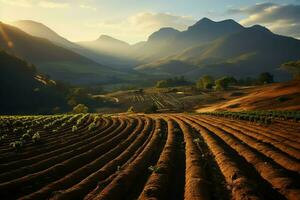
<point>155,156</point>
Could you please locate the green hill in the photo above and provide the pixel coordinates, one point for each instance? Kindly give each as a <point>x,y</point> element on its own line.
<point>23,90</point>
<point>56,61</point>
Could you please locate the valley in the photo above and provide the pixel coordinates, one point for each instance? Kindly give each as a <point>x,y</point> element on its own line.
<point>189,100</point>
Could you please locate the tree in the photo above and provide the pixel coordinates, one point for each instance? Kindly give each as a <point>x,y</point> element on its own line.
<point>161,84</point>
<point>293,67</point>
<point>265,78</point>
<point>80,108</point>
<point>205,82</point>
<point>224,82</point>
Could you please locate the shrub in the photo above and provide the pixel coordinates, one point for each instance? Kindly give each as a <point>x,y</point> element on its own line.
<point>265,78</point>
<point>80,108</point>
<point>205,82</point>
<point>225,82</point>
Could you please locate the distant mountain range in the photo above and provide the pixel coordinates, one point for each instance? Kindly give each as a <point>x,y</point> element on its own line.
<point>207,47</point>
<point>105,50</point>
<point>221,48</point>
<point>52,59</point>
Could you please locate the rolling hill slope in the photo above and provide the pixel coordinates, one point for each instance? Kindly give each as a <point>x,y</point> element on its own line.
<point>60,63</point>
<point>247,52</point>
<point>23,90</point>
<point>105,50</point>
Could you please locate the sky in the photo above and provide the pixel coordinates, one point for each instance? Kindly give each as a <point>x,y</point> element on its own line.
<point>134,20</point>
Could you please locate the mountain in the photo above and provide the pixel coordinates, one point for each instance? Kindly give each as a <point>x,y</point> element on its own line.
<point>60,63</point>
<point>107,44</point>
<point>40,30</point>
<point>157,45</point>
<point>206,30</point>
<point>168,41</point>
<point>240,52</point>
<point>111,51</point>
<point>106,50</point>
<point>23,90</point>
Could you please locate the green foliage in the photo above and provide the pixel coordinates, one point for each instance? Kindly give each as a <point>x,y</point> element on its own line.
<point>74,129</point>
<point>197,140</point>
<point>205,82</point>
<point>82,119</point>
<point>172,82</point>
<point>3,137</point>
<point>265,78</point>
<point>224,82</point>
<point>130,109</point>
<point>92,126</point>
<point>154,169</point>
<point>25,136</point>
<point>293,67</point>
<point>36,137</point>
<point>263,117</point>
<point>80,108</point>
<point>16,145</point>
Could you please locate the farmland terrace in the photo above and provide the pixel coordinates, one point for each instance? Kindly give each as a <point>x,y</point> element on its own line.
<point>150,156</point>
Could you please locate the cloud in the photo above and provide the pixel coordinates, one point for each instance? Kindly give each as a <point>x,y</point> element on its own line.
<point>85,6</point>
<point>157,20</point>
<point>20,3</point>
<point>39,3</point>
<point>52,4</point>
<point>282,19</point>
<point>139,26</point>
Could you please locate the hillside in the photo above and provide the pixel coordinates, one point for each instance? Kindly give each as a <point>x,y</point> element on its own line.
<point>103,56</point>
<point>241,52</point>
<point>277,96</point>
<point>169,41</point>
<point>59,63</point>
<point>107,44</point>
<point>23,90</point>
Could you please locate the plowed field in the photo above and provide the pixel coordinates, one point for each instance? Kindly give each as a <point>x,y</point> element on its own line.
<point>158,156</point>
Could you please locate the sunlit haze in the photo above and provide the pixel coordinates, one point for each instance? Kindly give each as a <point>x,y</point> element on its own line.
<point>134,20</point>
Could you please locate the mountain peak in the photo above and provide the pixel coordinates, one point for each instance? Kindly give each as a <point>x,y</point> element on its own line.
<point>206,23</point>
<point>259,28</point>
<point>205,20</point>
<point>163,33</point>
<point>109,39</point>
<point>105,37</point>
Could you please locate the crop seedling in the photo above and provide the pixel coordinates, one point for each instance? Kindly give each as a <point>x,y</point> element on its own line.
<point>92,126</point>
<point>197,140</point>
<point>154,169</point>
<point>25,136</point>
<point>3,137</point>
<point>36,137</point>
<point>74,129</point>
<point>16,145</point>
<point>118,168</point>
